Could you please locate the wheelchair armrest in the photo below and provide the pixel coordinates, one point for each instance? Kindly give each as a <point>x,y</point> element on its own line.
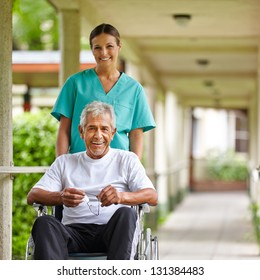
<point>145,207</point>
<point>142,209</point>
<point>40,208</point>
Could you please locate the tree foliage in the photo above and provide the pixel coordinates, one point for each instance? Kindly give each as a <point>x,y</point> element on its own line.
<point>227,166</point>
<point>34,137</point>
<point>35,25</point>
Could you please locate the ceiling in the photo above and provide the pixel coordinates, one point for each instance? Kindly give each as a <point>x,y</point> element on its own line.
<point>225,33</point>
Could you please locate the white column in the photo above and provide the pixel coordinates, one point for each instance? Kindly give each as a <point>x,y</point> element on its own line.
<point>257,126</point>
<point>6,128</point>
<point>69,43</point>
<point>255,137</point>
<point>253,127</point>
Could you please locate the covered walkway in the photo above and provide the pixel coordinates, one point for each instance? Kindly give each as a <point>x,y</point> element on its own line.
<point>210,226</point>
<point>206,63</point>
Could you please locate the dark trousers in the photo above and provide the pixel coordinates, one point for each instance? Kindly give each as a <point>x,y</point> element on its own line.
<point>54,241</point>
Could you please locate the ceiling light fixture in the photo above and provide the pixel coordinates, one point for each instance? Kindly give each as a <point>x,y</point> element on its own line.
<point>182,19</point>
<point>208,83</point>
<point>202,61</point>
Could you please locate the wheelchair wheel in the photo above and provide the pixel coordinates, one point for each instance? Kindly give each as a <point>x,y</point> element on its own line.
<point>155,250</point>
<point>148,247</point>
<point>151,251</point>
<point>29,249</point>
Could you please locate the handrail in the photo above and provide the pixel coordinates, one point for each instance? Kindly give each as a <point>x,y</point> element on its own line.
<point>175,168</point>
<point>171,170</point>
<point>42,169</point>
<point>22,169</point>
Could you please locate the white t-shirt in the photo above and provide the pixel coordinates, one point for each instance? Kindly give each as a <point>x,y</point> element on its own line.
<point>121,169</point>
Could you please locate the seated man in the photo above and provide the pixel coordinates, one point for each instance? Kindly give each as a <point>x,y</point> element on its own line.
<point>96,188</point>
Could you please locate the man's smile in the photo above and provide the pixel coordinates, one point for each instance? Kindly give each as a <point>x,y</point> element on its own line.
<point>97,143</point>
<point>105,58</point>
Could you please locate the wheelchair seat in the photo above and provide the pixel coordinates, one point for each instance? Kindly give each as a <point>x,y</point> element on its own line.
<point>87,256</point>
<point>147,247</point>
<point>79,256</point>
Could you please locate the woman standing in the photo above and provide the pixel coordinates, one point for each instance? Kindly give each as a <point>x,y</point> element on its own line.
<point>104,83</point>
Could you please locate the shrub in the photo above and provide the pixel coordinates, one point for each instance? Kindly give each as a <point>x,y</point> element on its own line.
<point>255,210</point>
<point>227,166</point>
<point>34,137</point>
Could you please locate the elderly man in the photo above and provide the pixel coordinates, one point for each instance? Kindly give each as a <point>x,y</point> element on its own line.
<point>96,188</point>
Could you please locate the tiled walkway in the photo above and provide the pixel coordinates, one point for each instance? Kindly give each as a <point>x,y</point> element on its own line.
<point>209,226</point>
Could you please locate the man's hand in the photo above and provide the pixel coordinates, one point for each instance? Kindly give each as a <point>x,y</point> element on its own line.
<point>72,197</point>
<point>109,195</point>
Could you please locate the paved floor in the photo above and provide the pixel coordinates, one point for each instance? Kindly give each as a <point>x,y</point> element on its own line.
<point>209,226</point>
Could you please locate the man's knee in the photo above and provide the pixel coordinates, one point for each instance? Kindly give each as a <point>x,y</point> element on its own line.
<point>126,213</point>
<point>126,210</point>
<point>43,222</point>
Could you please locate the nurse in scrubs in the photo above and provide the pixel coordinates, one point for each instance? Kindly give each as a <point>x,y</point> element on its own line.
<point>103,83</point>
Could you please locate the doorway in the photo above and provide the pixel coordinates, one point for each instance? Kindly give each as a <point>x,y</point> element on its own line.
<point>219,149</point>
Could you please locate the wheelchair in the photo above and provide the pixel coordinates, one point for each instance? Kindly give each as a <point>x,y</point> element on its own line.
<point>147,247</point>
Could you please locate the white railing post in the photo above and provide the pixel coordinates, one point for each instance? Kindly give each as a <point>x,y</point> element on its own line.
<point>6,144</point>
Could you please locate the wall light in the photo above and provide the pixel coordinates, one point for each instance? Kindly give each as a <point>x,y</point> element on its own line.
<point>182,19</point>
<point>208,83</point>
<point>202,62</point>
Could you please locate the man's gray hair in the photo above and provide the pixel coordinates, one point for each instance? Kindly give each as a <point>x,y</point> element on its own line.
<point>97,108</point>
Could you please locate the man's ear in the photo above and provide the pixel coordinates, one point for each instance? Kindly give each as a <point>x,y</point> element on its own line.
<point>113,133</point>
<point>81,132</point>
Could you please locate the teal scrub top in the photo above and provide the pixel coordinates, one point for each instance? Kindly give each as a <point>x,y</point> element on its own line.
<point>127,98</point>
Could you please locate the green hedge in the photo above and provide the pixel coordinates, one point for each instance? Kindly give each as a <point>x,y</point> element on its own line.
<point>227,166</point>
<point>255,210</point>
<point>34,137</point>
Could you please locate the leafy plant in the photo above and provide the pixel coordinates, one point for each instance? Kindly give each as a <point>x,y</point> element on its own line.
<point>35,25</point>
<point>34,137</point>
<point>227,166</point>
<point>256,221</point>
